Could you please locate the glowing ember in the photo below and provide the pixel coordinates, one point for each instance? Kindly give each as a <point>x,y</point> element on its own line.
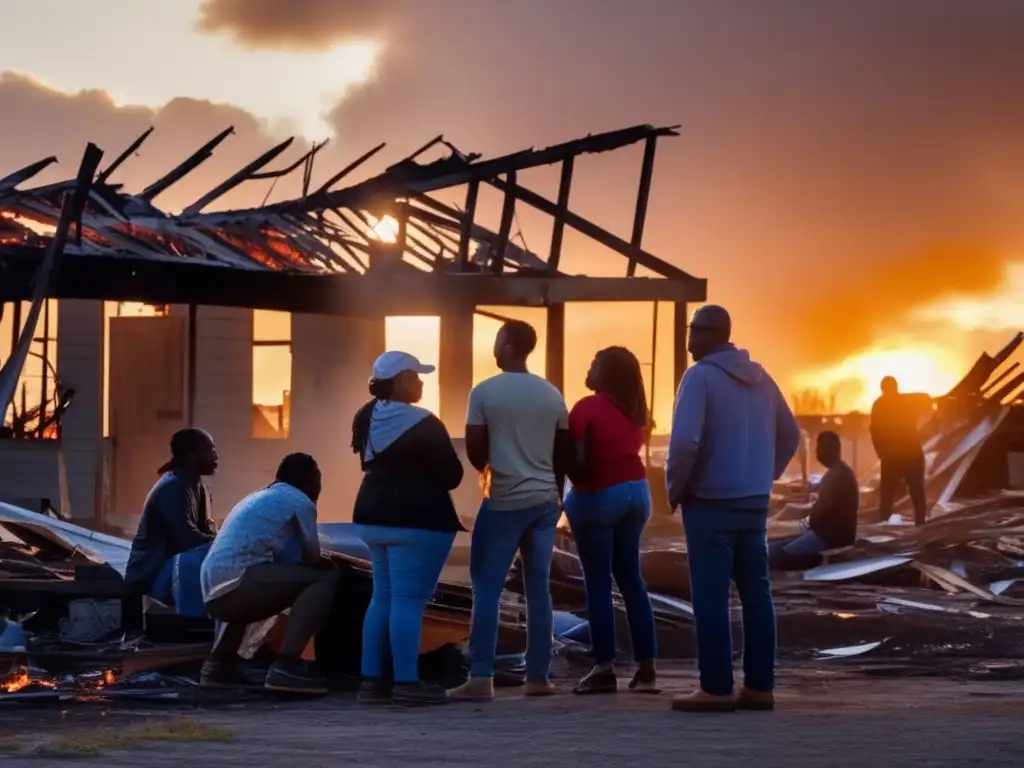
<point>16,683</point>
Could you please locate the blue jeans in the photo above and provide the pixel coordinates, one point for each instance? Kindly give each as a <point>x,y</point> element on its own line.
<point>607,526</point>
<point>406,565</point>
<point>727,544</point>
<point>497,534</point>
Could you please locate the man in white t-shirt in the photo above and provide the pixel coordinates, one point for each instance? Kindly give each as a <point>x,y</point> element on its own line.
<point>517,435</point>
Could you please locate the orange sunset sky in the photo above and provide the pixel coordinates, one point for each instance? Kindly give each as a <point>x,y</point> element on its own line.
<point>849,178</point>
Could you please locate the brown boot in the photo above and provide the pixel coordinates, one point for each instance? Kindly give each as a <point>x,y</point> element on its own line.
<point>756,701</point>
<point>474,689</point>
<point>543,689</point>
<point>700,701</point>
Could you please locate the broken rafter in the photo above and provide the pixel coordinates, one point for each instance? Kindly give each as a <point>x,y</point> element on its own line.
<point>243,175</point>
<point>194,160</point>
<point>131,150</point>
<point>302,235</point>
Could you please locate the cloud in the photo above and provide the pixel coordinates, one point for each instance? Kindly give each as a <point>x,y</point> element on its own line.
<point>822,143</point>
<point>37,121</point>
<point>294,24</point>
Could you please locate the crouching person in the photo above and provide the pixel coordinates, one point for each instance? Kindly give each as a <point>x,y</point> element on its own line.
<point>266,559</point>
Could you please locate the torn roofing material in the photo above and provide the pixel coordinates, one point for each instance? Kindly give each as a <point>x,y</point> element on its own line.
<point>97,546</point>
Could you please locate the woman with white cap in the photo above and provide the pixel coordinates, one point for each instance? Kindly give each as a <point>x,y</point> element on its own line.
<point>405,515</point>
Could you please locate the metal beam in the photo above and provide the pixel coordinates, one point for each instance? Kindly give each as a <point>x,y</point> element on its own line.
<point>558,230</point>
<point>680,323</point>
<point>643,194</point>
<point>466,234</point>
<point>595,232</point>
<point>186,281</point>
<point>508,212</point>
<point>554,354</point>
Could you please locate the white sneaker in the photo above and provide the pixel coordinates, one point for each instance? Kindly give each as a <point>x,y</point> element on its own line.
<point>896,519</point>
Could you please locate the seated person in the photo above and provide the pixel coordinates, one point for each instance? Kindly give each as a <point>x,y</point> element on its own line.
<point>266,559</point>
<point>176,515</point>
<point>832,522</point>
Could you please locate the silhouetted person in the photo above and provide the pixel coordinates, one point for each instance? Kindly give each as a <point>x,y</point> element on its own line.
<point>175,516</point>
<point>832,522</point>
<point>897,442</point>
<point>732,436</point>
<point>266,559</point>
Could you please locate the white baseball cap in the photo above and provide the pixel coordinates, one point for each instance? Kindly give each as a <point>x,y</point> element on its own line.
<point>392,363</point>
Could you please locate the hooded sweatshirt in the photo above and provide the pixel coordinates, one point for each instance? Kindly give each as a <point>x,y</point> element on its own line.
<point>409,467</point>
<point>732,432</point>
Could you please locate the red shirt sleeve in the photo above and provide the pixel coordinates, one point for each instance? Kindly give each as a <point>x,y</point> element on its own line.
<point>579,418</point>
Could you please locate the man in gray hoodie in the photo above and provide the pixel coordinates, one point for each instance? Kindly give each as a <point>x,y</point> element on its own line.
<point>732,436</point>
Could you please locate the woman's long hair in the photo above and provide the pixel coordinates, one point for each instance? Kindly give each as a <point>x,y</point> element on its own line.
<point>619,377</point>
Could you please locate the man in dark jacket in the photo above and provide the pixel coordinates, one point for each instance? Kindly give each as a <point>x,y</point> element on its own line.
<point>176,515</point>
<point>732,436</point>
<point>832,521</point>
<point>894,433</point>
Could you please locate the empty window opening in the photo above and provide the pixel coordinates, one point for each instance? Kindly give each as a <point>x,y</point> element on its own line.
<point>271,374</point>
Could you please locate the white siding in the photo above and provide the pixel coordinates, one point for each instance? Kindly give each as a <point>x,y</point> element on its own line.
<point>80,367</point>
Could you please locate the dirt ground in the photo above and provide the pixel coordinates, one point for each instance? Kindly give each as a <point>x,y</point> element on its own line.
<point>826,716</point>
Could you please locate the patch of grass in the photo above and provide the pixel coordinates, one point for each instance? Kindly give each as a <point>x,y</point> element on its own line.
<point>10,745</point>
<point>96,742</point>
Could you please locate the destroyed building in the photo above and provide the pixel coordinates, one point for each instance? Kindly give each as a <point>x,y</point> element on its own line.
<point>114,388</point>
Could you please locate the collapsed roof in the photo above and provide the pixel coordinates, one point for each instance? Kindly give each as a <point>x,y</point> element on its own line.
<point>126,248</point>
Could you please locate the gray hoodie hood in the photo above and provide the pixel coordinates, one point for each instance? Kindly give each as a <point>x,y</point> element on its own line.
<point>736,363</point>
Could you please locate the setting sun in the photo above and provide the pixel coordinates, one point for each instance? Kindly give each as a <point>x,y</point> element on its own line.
<point>385,229</point>
<point>854,382</point>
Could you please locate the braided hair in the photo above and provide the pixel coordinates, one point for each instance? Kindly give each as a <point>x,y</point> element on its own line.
<point>620,378</point>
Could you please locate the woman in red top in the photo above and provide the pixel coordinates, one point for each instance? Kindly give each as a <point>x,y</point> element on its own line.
<point>608,506</point>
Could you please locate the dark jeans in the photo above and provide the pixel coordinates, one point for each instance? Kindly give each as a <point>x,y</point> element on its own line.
<point>730,545</point>
<point>912,472</point>
<point>607,526</point>
<point>264,591</point>
<point>797,552</point>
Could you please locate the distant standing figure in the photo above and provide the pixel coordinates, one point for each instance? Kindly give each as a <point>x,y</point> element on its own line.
<point>897,442</point>
<point>517,430</point>
<point>176,514</point>
<point>732,436</point>
<point>404,514</point>
<point>608,507</point>
<point>832,522</point>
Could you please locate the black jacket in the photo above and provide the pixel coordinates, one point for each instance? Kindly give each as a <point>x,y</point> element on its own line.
<point>407,484</point>
<point>834,515</point>
<point>174,519</point>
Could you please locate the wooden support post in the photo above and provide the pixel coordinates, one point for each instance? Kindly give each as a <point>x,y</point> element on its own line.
<point>402,235</point>
<point>679,354</point>
<point>508,212</point>
<point>191,363</point>
<point>558,231</point>
<point>555,353</point>
<point>455,367</point>
<point>643,194</point>
<point>466,235</point>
